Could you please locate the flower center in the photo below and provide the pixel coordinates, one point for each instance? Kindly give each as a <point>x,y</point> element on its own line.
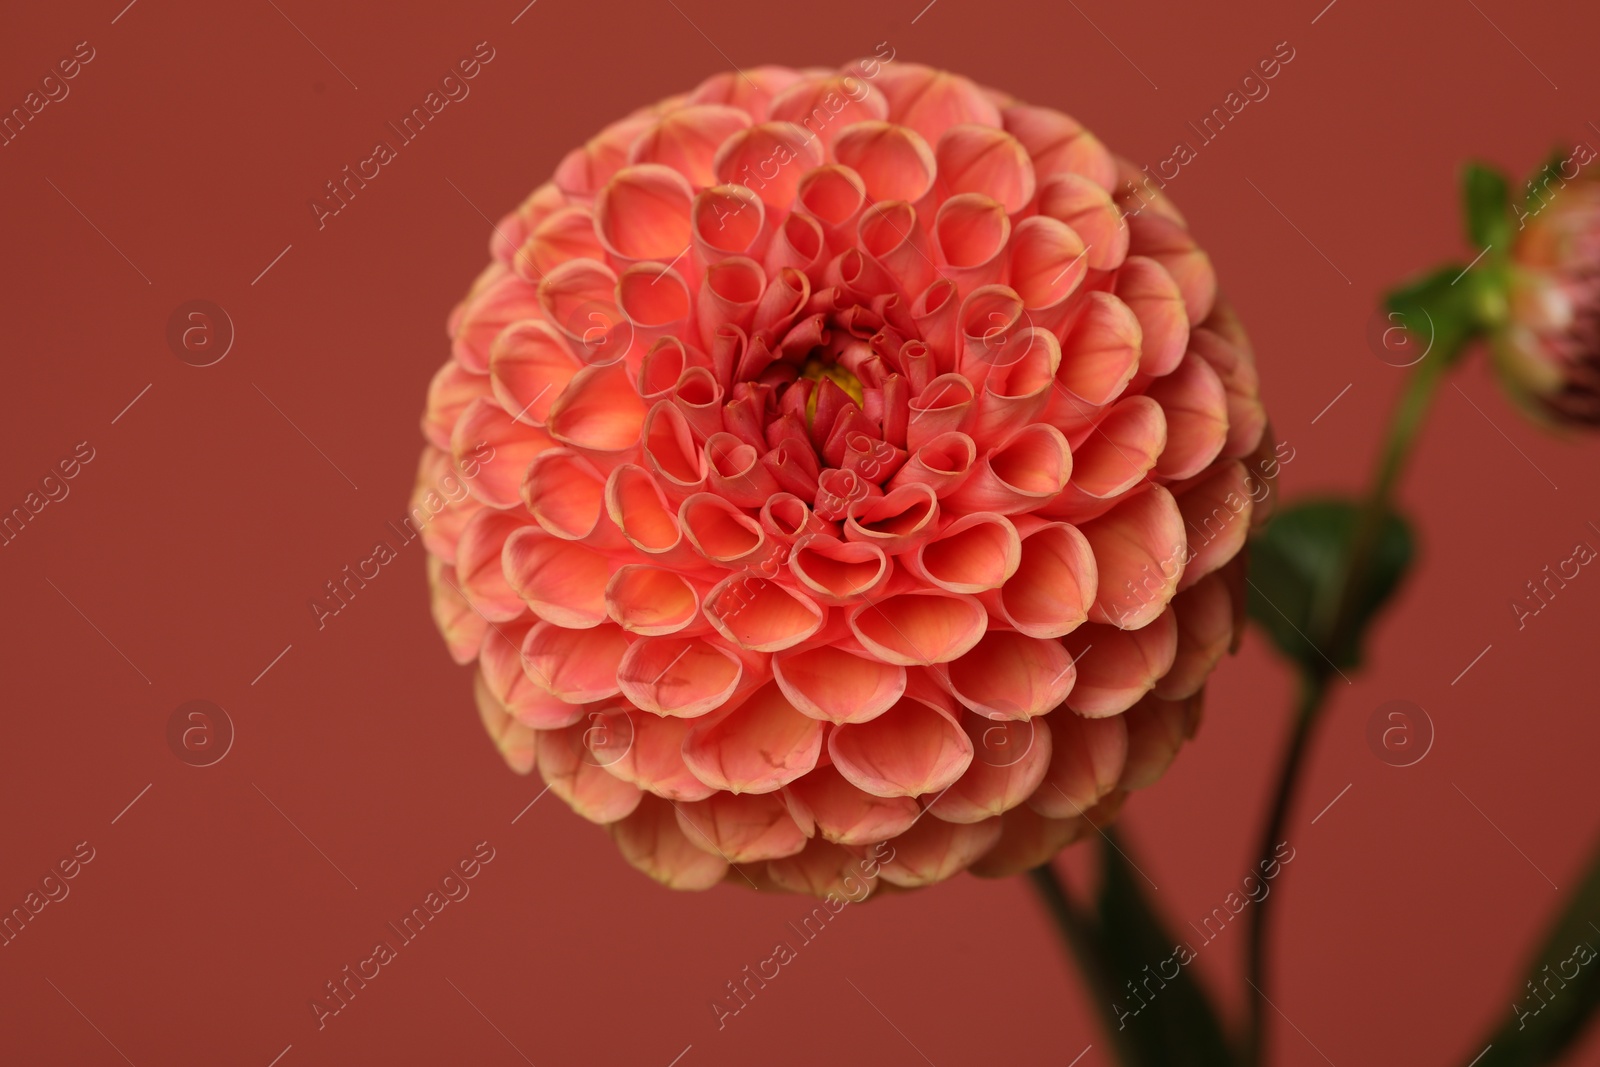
<point>818,369</point>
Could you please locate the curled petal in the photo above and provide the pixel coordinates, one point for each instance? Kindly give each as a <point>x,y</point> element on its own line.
<point>934,849</point>
<point>931,101</point>
<point>742,829</point>
<point>1055,582</point>
<point>1010,676</point>
<point>579,299</point>
<point>1216,517</point>
<point>562,581</point>
<point>919,628</point>
<point>728,220</point>
<point>846,815</point>
<point>529,366</point>
<point>651,840</point>
<point>974,554</point>
<point>1010,762</point>
<point>984,159</point>
<point>729,294</point>
<point>737,473</point>
<point>1085,206</point>
<point>895,163</point>
<point>970,233</point>
<point>1048,261</point>
<point>1117,667</point>
<point>1156,730</point>
<point>825,869</point>
<point>687,140</point>
<point>769,158</point>
<point>579,666</point>
<point>941,463</point>
<point>1020,475</point>
<point>574,774</point>
<point>1205,629</point>
<point>599,411</point>
<point>565,494</point>
<point>1060,145</point>
<point>833,195</point>
<point>1101,354</point>
<point>449,393</point>
<point>478,566</point>
<point>650,600</point>
<point>1087,757</point>
<point>500,661</point>
<point>757,747</point>
<point>651,756</point>
<point>837,685</point>
<point>493,452</point>
<point>1119,451</point>
<point>890,236</point>
<point>1196,409</point>
<point>1027,839</point>
<point>942,408</point>
<point>586,168</point>
<point>798,245</point>
<point>654,300</point>
<point>1139,549</point>
<point>914,748</point>
<point>758,614</point>
<point>682,677</point>
<point>506,300</point>
<point>1158,304</point>
<point>839,572</point>
<point>1169,244</point>
<point>896,521</point>
<point>670,451</point>
<point>751,89</point>
<point>517,743</point>
<point>827,105</point>
<point>643,213</point>
<point>459,623</point>
<point>1247,418</point>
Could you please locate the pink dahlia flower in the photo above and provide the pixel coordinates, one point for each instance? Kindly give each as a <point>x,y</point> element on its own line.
<point>853,489</point>
<point>1548,352</point>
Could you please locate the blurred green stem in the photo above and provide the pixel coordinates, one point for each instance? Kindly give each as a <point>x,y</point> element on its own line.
<point>1081,938</point>
<point>1338,614</point>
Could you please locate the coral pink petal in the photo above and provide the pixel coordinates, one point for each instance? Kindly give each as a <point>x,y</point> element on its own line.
<point>493,452</point>
<point>1140,549</point>
<point>942,463</point>
<point>687,140</point>
<point>1196,409</point>
<point>564,234</point>
<point>1020,475</point>
<point>682,677</point>
<point>1055,582</point>
<point>518,744</point>
<point>897,521</point>
<point>643,213</point>
<point>650,754</point>
<point>651,601</point>
<point>529,366</point>
<point>838,686</point>
<point>933,850</point>
<point>1205,629</point>
<point>599,411</point>
<point>914,748</point>
<point>478,565</point>
<point>1010,675</point>
<point>838,572</point>
<point>846,815</point>
<point>728,220</point>
<point>919,628</point>
<point>825,106</point>
<point>578,666</point>
<point>1216,511</point>
<point>507,300</point>
<point>1027,839</point>
<point>759,746</point>
<point>758,614</point>
<point>562,581</point>
<point>1060,145</point>
<point>1117,667</point>
<point>651,840</point>
<point>1170,245</point>
<point>449,393</point>
<point>932,101</point>
<point>565,494</point>
<point>770,158</point>
<point>720,532</point>
<point>1101,354</point>
<point>1247,418</point>
<point>894,162</point>
<point>1010,762</point>
<point>1158,304</point>
<point>459,623</point>
<point>1087,758</point>
<point>1085,206</point>
<point>974,554</point>
<point>984,159</point>
<point>1157,729</point>
<point>741,829</point>
<point>823,869</point>
<point>572,773</point>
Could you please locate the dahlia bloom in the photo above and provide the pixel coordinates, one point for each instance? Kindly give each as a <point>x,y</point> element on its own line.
<point>844,470</point>
<point>1548,350</point>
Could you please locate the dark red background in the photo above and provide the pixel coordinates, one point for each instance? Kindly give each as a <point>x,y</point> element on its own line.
<point>194,539</point>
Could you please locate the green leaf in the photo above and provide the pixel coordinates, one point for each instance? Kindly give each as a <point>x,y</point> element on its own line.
<point>1542,1022</point>
<point>1296,567</point>
<point>1441,311</point>
<point>1487,206</point>
<point>1165,1021</point>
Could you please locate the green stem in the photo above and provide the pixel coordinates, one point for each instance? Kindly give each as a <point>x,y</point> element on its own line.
<point>1312,693</point>
<point>1082,941</point>
<point>1340,614</point>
